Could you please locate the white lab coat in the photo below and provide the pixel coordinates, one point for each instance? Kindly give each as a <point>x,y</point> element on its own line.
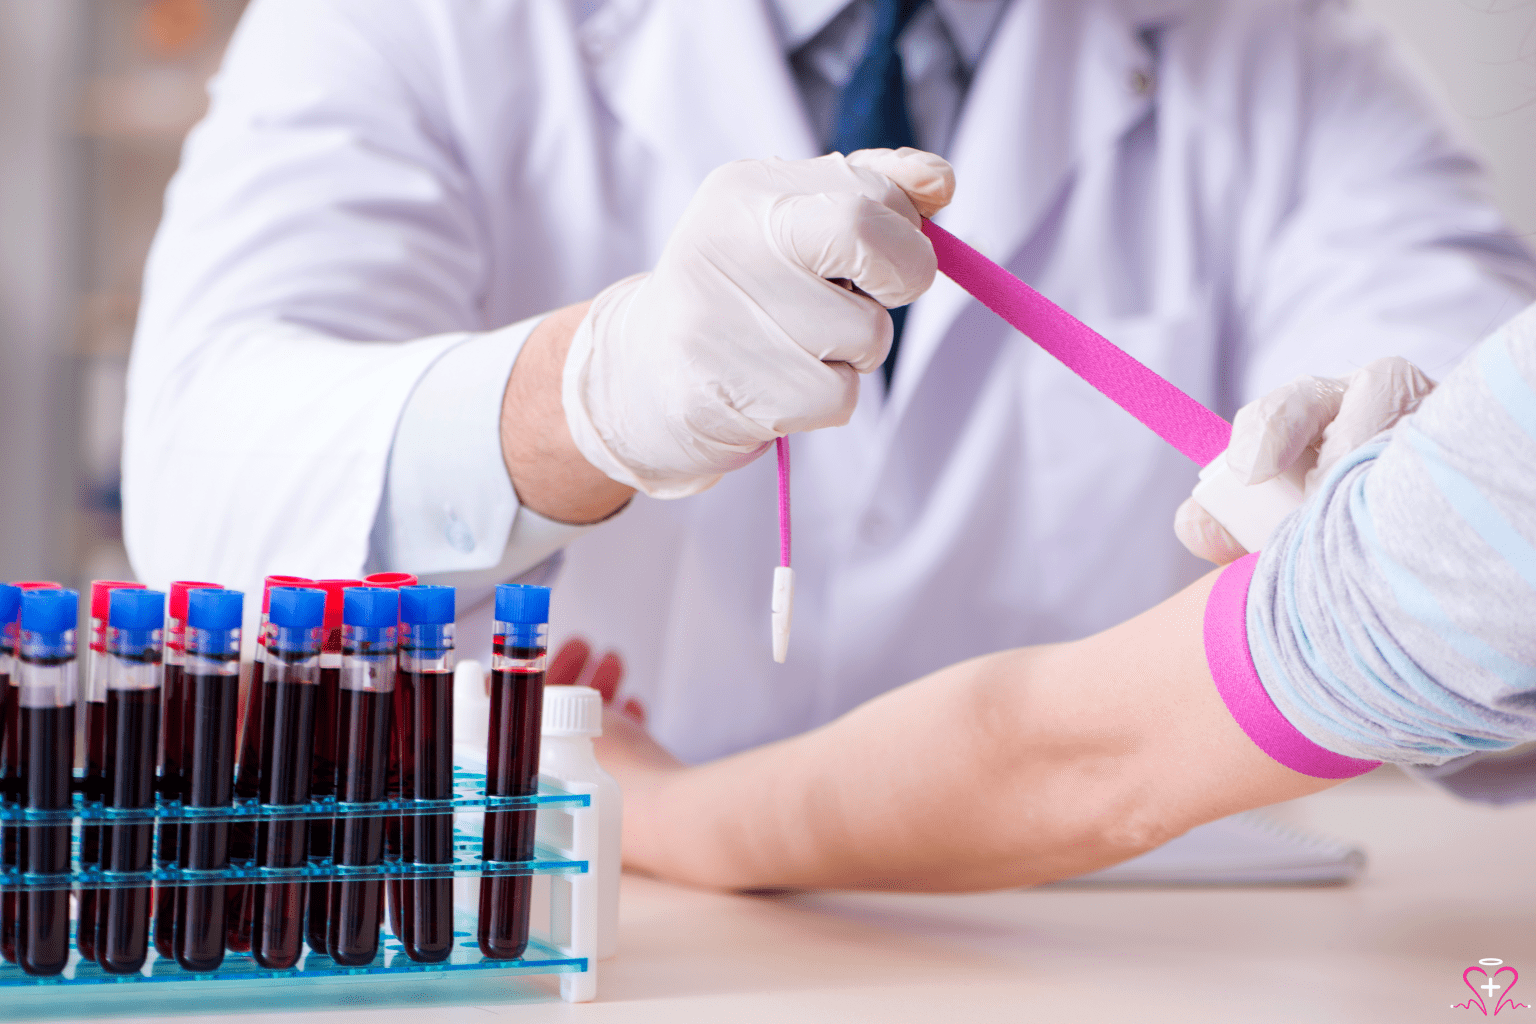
<point>1235,193</point>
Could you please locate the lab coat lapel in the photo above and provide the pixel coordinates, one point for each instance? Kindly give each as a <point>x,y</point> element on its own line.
<point>701,82</point>
<point>1028,122</point>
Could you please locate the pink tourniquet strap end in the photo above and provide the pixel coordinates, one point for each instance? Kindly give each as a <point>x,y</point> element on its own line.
<point>1170,413</point>
<point>783,604</point>
<point>782,446</point>
<point>1231,663</point>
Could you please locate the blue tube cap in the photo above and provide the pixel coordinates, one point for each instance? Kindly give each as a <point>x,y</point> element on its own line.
<point>296,608</point>
<point>215,609</point>
<point>49,611</point>
<point>521,603</point>
<point>427,605</point>
<point>10,603</point>
<point>136,610</point>
<point>373,607</point>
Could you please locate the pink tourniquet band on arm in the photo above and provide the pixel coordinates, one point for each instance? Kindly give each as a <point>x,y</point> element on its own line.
<point>1231,664</point>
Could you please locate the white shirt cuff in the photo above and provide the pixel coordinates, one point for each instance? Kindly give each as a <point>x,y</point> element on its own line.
<point>448,505</point>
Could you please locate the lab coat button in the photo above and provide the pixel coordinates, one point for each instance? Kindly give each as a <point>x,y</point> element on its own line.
<point>459,535</point>
<point>1142,82</point>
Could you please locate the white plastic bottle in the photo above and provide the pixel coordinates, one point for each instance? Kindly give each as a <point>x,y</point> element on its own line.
<point>573,715</point>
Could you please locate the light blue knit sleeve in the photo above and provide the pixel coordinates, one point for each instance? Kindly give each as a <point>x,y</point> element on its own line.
<point>1393,617</point>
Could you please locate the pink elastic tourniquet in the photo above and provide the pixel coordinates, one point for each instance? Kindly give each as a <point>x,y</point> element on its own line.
<point>782,444</point>
<point>1231,662</point>
<point>1170,413</point>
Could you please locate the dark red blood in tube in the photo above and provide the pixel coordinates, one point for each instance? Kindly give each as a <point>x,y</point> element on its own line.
<point>94,783</point>
<point>10,726</point>
<point>323,769</point>
<point>427,774</point>
<point>90,835</point>
<point>42,918</point>
<point>363,739</point>
<point>211,710</point>
<point>10,774</point>
<point>288,734</point>
<point>239,908</point>
<point>392,838</point>
<point>517,701</point>
<point>172,753</point>
<point>122,932</point>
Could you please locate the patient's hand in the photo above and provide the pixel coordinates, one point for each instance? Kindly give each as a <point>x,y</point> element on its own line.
<point>639,764</point>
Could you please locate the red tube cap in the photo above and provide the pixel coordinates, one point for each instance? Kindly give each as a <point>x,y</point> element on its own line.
<point>280,581</point>
<point>176,605</point>
<point>101,595</point>
<point>334,601</point>
<point>392,580</point>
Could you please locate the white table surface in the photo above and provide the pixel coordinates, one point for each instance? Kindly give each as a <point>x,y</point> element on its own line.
<point>1448,883</point>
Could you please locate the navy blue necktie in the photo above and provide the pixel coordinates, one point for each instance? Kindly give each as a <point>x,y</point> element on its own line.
<point>872,110</point>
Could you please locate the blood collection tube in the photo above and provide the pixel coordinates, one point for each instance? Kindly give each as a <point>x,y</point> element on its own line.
<point>10,608</point>
<point>364,709</point>
<point>287,709</point>
<point>48,680</point>
<point>171,781</point>
<point>10,748</point>
<point>242,834</point>
<point>132,741</point>
<point>322,781</point>
<point>424,712</point>
<point>512,756</point>
<point>392,838</point>
<point>94,710</point>
<point>210,708</point>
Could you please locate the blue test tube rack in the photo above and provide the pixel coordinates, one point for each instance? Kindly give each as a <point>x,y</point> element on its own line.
<point>565,944</point>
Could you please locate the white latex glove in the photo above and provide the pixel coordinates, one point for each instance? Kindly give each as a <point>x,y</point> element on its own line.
<point>746,330</point>
<point>1324,418</point>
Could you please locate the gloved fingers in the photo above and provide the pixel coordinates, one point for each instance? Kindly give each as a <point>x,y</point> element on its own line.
<point>841,325</point>
<point>927,179</point>
<point>806,321</point>
<point>762,393</point>
<point>822,394</point>
<point>1205,538</point>
<point>849,235</point>
<point>1271,433</point>
<point>1376,397</point>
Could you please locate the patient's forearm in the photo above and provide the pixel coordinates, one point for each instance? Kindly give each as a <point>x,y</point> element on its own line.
<point>1012,769</point>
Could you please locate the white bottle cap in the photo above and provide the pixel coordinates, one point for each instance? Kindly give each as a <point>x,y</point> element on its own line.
<point>572,711</point>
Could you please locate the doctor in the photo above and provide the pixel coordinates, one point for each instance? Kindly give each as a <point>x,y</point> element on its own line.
<point>346,357</point>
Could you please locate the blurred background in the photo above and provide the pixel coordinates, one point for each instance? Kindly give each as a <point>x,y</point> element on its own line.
<point>95,99</point>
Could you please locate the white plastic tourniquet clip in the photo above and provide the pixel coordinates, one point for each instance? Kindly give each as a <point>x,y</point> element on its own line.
<point>1250,512</point>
